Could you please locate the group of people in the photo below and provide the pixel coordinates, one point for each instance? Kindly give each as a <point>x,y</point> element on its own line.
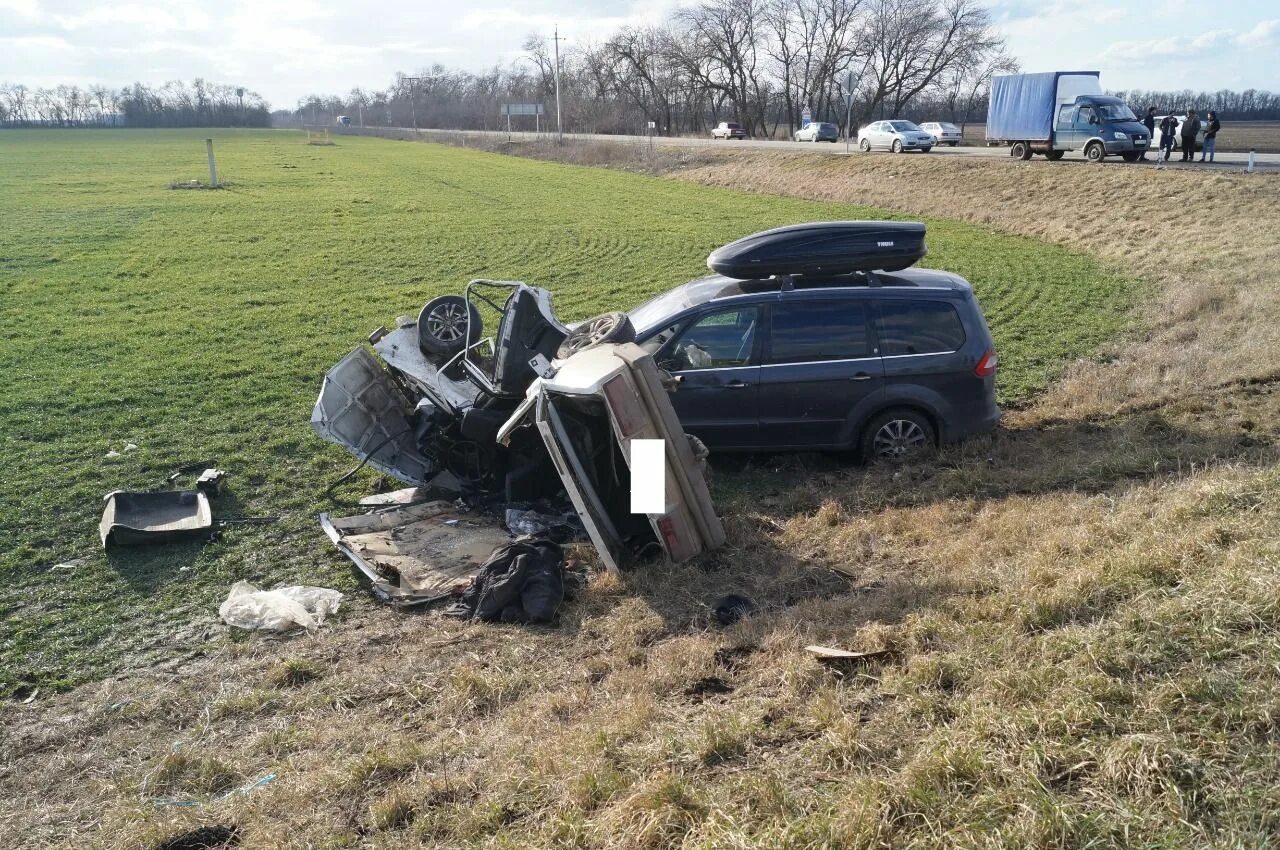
<point>1188,128</point>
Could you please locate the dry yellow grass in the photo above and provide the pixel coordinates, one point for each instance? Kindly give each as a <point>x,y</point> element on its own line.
<point>1082,613</point>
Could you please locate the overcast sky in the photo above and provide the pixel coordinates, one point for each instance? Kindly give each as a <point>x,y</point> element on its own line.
<point>285,50</point>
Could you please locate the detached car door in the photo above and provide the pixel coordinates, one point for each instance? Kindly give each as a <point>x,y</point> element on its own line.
<point>716,362</point>
<point>820,371</point>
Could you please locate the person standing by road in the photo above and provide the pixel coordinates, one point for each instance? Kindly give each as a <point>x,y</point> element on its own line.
<point>1168,133</point>
<point>1190,129</point>
<point>1149,121</point>
<point>1212,126</point>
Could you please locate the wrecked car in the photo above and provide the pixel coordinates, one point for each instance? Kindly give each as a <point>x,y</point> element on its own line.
<point>806,337</point>
<point>477,424</point>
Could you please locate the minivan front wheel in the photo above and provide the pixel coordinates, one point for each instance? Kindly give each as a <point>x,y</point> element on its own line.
<point>897,434</point>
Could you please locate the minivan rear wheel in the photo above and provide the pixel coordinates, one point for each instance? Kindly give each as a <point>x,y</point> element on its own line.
<point>897,434</point>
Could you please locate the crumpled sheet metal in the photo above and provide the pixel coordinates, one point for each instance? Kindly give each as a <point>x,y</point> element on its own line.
<point>132,519</point>
<point>416,554</point>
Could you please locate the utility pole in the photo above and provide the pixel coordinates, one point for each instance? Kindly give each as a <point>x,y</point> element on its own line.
<point>413,105</point>
<point>559,126</point>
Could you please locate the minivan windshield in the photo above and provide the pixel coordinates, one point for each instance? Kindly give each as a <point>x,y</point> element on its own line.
<point>903,125</point>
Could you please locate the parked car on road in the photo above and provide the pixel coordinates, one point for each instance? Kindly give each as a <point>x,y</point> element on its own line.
<point>946,133</point>
<point>818,132</point>
<point>896,135</point>
<point>1177,136</point>
<point>728,130</point>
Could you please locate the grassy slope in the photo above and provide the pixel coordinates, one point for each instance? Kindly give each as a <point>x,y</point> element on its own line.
<point>197,324</point>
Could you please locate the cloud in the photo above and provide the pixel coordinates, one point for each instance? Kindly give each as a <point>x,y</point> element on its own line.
<point>1264,34</point>
<point>1139,52</point>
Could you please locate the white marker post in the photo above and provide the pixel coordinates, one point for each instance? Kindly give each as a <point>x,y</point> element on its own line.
<point>1252,151</point>
<point>213,169</point>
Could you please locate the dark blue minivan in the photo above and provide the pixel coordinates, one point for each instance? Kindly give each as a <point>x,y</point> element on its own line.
<point>884,363</point>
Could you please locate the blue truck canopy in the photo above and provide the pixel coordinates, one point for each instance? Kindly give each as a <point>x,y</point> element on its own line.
<point>1022,107</point>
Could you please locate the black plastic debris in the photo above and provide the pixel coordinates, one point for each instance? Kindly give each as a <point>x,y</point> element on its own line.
<point>203,838</point>
<point>521,582</point>
<point>731,608</point>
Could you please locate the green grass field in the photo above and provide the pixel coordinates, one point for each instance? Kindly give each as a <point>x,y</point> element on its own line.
<point>197,324</point>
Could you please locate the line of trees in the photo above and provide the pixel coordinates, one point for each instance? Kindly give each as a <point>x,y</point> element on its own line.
<point>1247,105</point>
<point>174,104</point>
<point>758,62</point>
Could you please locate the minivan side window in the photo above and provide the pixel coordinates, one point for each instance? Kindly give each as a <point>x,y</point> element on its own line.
<point>919,327</point>
<point>808,331</point>
<point>721,340</point>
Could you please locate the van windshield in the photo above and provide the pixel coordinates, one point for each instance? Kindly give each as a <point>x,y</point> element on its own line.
<point>903,125</point>
<point>1115,112</point>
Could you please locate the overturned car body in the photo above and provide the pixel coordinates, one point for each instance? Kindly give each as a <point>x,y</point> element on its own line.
<point>505,421</point>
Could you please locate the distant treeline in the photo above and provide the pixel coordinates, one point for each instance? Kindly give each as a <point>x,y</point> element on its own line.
<point>1247,105</point>
<point>762,63</point>
<point>174,104</point>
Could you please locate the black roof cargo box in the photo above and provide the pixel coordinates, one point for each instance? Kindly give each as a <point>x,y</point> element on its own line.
<point>823,247</point>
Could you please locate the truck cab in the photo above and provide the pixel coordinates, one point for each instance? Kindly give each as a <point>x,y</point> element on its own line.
<point>1099,126</point>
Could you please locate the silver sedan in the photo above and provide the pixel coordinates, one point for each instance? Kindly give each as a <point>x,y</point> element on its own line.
<point>895,135</point>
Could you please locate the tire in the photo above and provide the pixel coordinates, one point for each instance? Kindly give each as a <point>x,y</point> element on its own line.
<point>864,145</point>
<point>443,329</point>
<point>1094,152</point>
<point>897,146</point>
<point>952,144</point>
<point>602,329</point>
<point>1053,156</point>
<point>1130,156</point>
<point>897,434</point>
<point>1020,150</point>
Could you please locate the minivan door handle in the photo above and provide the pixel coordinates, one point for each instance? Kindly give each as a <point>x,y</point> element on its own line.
<point>861,376</point>
<point>735,384</point>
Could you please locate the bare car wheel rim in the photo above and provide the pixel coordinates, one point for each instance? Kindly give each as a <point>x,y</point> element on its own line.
<point>594,333</point>
<point>448,322</point>
<point>897,438</point>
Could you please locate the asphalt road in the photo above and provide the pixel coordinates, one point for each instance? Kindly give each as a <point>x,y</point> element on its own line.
<point>1224,161</point>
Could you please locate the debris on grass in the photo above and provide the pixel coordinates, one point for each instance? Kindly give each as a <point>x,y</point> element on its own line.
<point>210,481</point>
<point>279,610</point>
<point>203,838</point>
<point>132,519</point>
<point>194,184</point>
<point>731,608</point>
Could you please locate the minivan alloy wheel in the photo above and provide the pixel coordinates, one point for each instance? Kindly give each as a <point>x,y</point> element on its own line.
<point>898,437</point>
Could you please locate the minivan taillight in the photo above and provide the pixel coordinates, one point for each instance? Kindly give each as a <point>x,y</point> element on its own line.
<point>987,365</point>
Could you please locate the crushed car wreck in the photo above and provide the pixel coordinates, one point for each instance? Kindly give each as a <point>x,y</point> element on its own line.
<point>815,336</point>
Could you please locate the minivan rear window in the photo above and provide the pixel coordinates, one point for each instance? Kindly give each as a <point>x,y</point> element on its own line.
<point>919,327</point>
<point>807,331</point>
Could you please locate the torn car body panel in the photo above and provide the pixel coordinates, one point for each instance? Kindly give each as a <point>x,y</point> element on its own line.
<point>419,553</point>
<point>589,413</point>
<point>362,409</point>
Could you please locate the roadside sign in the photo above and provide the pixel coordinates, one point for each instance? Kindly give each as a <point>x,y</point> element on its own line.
<point>653,125</point>
<point>522,109</point>
<point>806,117</point>
<point>848,82</point>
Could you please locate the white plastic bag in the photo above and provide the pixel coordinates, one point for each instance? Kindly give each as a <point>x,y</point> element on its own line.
<point>278,610</point>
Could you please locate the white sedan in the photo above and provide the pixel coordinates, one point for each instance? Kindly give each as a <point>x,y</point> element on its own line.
<point>896,135</point>
<point>945,132</point>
